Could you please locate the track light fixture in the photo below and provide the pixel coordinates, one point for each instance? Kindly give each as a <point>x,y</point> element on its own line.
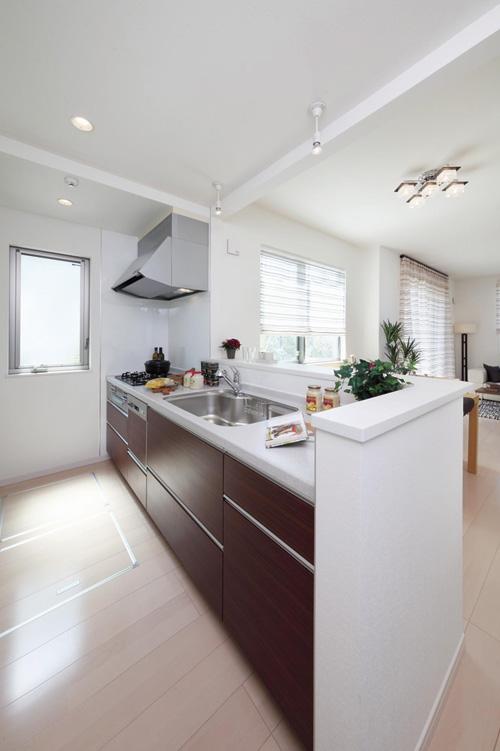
<point>218,204</point>
<point>316,109</point>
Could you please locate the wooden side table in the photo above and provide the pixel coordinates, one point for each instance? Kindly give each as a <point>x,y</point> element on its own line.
<point>473,434</point>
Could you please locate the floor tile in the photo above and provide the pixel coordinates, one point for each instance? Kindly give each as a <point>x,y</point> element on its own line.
<point>263,701</point>
<point>481,543</point>
<point>286,738</point>
<point>236,725</point>
<point>470,719</point>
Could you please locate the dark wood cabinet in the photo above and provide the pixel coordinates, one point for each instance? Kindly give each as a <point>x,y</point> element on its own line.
<point>189,467</point>
<point>268,608</point>
<point>136,432</point>
<point>117,419</point>
<point>290,518</point>
<point>199,555</point>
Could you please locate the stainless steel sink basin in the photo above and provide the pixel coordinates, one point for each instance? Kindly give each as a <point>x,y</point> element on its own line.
<point>223,408</point>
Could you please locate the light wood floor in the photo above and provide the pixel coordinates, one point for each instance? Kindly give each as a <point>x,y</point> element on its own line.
<point>139,663</point>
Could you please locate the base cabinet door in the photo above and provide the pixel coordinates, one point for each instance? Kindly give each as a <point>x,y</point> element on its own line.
<point>136,478</point>
<point>268,608</point>
<point>189,467</point>
<point>201,557</point>
<point>117,450</point>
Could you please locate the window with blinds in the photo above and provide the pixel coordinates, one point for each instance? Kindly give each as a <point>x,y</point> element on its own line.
<point>498,306</point>
<point>302,308</point>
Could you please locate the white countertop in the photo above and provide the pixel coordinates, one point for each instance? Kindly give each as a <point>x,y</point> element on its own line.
<point>291,466</point>
<point>362,421</point>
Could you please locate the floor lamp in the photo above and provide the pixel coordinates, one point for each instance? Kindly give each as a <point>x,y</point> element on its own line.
<point>464,329</point>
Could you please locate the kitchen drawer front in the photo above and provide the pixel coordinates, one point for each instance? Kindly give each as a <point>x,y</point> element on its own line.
<point>201,557</point>
<point>117,419</point>
<point>136,478</point>
<point>269,609</point>
<point>137,436</point>
<point>117,450</point>
<point>189,467</point>
<point>287,516</point>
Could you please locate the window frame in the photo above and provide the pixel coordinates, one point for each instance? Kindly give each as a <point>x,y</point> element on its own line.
<point>15,282</point>
<point>301,338</point>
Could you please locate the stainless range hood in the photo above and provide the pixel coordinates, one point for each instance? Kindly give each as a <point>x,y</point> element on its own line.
<point>172,261</point>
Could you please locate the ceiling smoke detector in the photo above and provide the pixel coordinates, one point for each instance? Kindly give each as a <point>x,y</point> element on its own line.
<point>71,181</point>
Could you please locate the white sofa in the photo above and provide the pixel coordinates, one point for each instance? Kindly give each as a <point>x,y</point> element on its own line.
<point>477,376</point>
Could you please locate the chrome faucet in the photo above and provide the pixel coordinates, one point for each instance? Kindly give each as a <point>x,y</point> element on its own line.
<point>234,383</point>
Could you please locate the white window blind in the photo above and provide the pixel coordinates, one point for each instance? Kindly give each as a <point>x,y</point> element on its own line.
<point>425,312</point>
<point>498,306</point>
<point>299,298</point>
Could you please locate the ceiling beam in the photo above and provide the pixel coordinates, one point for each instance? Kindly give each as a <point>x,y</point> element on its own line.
<point>84,171</point>
<point>335,133</point>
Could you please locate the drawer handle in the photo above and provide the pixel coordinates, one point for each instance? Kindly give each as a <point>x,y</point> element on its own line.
<point>271,535</point>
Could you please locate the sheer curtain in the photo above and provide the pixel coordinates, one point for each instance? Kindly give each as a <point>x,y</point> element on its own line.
<point>425,312</point>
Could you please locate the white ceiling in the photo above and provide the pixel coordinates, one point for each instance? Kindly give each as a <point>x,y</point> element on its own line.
<point>34,188</point>
<point>452,118</point>
<point>182,93</point>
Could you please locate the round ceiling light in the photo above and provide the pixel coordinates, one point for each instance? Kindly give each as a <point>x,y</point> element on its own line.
<point>64,202</point>
<point>81,123</point>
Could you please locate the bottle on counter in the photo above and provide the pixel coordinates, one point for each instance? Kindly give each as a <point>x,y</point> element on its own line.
<point>313,399</point>
<point>331,398</point>
<point>155,354</point>
<point>161,356</point>
<point>187,378</point>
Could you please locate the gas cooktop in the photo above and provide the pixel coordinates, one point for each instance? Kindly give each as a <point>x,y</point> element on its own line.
<point>135,378</point>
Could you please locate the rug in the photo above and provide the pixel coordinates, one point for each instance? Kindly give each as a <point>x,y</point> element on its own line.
<point>489,408</point>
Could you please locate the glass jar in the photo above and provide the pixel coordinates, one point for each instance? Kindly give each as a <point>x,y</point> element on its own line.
<point>331,398</point>
<point>313,399</point>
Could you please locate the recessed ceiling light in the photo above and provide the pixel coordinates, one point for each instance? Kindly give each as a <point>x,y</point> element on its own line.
<point>64,202</point>
<point>81,123</point>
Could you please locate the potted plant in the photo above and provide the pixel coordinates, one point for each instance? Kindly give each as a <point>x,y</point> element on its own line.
<point>231,345</point>
<point>365,379</point>
<point>401,352</point>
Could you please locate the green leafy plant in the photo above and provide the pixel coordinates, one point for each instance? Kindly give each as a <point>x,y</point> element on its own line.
<point>365,379</point>
<point>402,353</point>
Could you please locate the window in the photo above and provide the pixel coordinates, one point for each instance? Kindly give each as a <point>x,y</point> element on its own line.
<point>49,311</point>
<point>426,317</point>
<point>302,309</point>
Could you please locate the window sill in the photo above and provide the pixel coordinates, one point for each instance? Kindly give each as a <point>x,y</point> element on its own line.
<point>299,369</point>
<point>61,371</point>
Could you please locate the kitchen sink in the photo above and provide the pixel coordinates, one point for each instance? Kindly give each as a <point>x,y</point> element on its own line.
<point>224,408</point>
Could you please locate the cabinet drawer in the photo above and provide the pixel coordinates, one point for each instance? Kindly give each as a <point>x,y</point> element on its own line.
<point>287,516</point>
<point>136,478</point>
<point>201,557</point>
<point>268,608</point>
<point>136,434</point>
<point>189,467</point>
<point>117,450</point>
<point>117,419</point>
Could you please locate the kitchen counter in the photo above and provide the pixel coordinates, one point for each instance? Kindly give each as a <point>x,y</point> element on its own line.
<point>291,466</point>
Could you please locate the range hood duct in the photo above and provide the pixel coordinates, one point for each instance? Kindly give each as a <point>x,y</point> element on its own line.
<point>172,261</point>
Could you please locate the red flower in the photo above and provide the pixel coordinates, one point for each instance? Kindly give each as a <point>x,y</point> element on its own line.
<point>231,344</point>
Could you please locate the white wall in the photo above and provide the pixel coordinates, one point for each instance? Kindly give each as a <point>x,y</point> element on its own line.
<point>381,301</point>
<point>235,279</point>
<point>48,420</point>
<point>475,303</point>
<point>189,330</point>
<point>55,420</point>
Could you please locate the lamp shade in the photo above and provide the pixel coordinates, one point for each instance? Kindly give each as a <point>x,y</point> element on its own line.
<point>465,328</point>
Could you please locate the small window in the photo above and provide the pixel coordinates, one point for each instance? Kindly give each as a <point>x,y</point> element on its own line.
<point>49,311</point>
<point>302,309</point>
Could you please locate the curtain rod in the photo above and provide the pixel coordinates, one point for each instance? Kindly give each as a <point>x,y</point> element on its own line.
<point>425,265</point>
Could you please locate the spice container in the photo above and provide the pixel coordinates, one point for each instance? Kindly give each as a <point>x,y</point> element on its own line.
<point>313,399</point>
<point>331,398</point>
<point>187,378</point>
